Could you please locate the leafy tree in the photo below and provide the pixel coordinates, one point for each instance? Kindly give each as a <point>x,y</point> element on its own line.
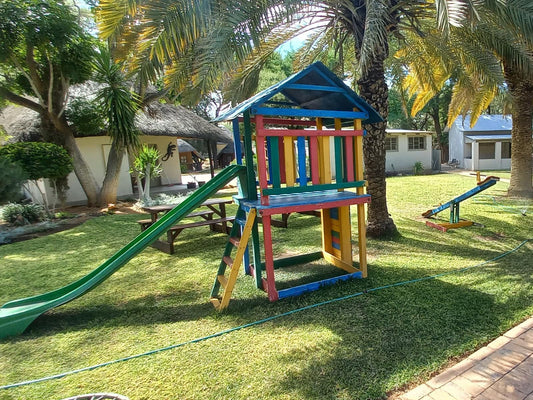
<point>494,53</point>
<point>206,40</point>
<point>43,51</point>
<point>119,105</point>
<point>39,160</point>
<point>145,167</point>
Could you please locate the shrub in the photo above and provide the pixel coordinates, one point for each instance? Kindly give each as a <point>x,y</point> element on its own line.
<point>418,168</point>
<point>39,160</point>
<point>11,179</point>
<point>22,214</point>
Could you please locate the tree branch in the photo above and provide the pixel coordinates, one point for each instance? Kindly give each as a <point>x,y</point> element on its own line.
<point>21,101</point>
<point>28,77</point>
<point>33,68</point>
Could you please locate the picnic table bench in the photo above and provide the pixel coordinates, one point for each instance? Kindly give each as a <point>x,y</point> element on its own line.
<point>215,207</point>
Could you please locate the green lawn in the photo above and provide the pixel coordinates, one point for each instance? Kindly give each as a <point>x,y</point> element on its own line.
<point>359,348</point>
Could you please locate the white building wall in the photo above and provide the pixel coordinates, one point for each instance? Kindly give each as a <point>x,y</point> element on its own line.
<point>95,151</point>
<point>403,160</point>
<point>456,145</point>
<point>171,174</point>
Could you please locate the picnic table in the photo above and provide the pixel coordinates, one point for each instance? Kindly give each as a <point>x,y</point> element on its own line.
<point>211,212</point>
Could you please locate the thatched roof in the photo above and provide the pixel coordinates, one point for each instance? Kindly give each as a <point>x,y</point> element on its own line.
<point>168,120</point>
<point>157,119</point>
<point>23,124</point>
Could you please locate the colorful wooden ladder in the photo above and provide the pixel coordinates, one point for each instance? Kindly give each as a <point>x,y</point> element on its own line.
<point>241,243</point>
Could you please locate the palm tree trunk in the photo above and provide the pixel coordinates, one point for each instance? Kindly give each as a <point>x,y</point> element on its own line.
<point>108,193</point>
<point>373,89</point>
<point>521,91</point>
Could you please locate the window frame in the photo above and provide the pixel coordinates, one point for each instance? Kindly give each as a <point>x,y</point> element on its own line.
<point>411,139</point>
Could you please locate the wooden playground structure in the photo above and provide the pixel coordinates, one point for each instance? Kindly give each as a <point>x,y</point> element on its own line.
<point>303,151</point>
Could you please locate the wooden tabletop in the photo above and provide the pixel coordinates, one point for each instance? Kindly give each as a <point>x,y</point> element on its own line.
<point>167,207</point>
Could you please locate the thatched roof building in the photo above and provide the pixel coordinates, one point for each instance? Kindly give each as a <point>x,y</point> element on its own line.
<point>157,119</point>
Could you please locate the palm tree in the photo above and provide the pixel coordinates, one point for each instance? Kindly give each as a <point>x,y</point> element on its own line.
<point>203,41</point>
<point>495,52</point>
<point>119,106</point>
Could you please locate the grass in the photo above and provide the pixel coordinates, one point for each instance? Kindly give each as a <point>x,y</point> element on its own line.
<point>359,348</point>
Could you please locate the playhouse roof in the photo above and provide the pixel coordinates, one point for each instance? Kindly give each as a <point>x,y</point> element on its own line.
<point>315,89</point>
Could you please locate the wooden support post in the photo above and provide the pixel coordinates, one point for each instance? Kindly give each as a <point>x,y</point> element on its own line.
<point>361,220</point>
<point>249,157</point>
<point>269,259</point>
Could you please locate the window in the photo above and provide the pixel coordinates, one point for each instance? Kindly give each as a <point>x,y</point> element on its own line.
<point>417,143</point>
<point>487,151</point>
<point>506,149</point>
<point>391,143</point>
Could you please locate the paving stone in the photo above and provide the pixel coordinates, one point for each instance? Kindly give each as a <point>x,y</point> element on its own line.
<point>527,344</point>
<point>515,332</point>
<point>527,365</point>
<point>491,394</point>
<point>515,347</point>
<point>440,394</point>
<point>515,386</point>
<point>417,393</point>
<point>527,324</point>
<point>468,386</point>
<point>481,353</point>
<point>451,373</point>
<point>456,391</point>
<point>481,376</point>
<point>499,342</point>
<point>499,364</point>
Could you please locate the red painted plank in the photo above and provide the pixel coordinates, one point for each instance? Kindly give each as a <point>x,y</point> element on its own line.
<point>313,154</point>
<point>349,159</point>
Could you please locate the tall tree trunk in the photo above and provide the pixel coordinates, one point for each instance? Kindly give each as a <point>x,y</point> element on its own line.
<point>373,89</point>
<point>108,193</point>
<point>81,169</point>
<point>521,91</point>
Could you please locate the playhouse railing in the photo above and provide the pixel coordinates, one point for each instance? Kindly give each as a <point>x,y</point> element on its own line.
<point>291,161</point>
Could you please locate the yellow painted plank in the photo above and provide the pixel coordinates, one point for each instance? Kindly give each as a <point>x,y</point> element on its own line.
<point>337,262</point>
<point>361,233</point>
<point>290,165</point>
<point>346,234</point>
<point>326,230</point>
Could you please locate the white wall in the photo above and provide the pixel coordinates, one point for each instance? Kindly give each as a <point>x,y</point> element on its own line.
<point>403,160</point>
<point>477,164</point>
<point>171,168</point>
<point>456,145</point>
<point>95,151</point>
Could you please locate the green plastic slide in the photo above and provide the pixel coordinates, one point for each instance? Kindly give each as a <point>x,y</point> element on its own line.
<point>15,316</point>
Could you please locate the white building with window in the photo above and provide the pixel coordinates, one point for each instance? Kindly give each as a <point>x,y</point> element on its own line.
<point>405,148</point>
<point>485,146</point>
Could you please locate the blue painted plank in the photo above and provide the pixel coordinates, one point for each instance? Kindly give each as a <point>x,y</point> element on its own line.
<point>300,86</point>
<point>462,197</point>
<point>310,287</point>
<point>302,161</point>
<point>237,141</point>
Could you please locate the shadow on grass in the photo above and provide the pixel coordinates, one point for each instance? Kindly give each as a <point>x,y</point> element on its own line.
<point>137,312</point>
<point>386,338</point>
